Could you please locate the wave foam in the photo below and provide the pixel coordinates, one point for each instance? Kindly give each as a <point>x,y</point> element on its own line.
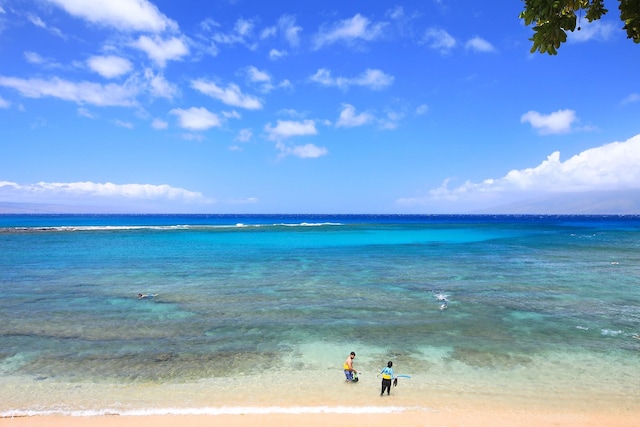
<point>71,228</point>
<point>233,410</point>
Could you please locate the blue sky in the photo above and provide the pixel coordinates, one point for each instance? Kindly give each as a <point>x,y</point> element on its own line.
<point>421,106</point>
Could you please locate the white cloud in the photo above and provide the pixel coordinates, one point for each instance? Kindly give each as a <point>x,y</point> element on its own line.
<point>82,92</point>
<point>261,78</point>
<point>244,135</point>
<point>243,27</point>
<point>231,114</point>
<point>479,44</point>
<point>158,124</point>
<point>109,66</point>
<point>159,86</point>
<point>290,30</point>
<point>256,75</point>
<point>242,32</point>
<point>196,118</point>
<point>439,39</point>
<point>38,22</point>
<point>288,128</point>
<point>554,123</point>
<point>349,31</point>
<point>268,32</point>
<point>263,81</point>
<point>306,151</point>
<point>276,54</point>
<point>596,30</point>
<point>349,118</point>
<point>390,121</point>
<point>396,13</point>
<point>231,95</point>
<point>4,103</point>
<point>37,59</point>
<point>610,167</point>
<point>160,50</point>
<point>125,15</point>
<point>34,58</point>
<point>56,192</point>
<point>371,78</point>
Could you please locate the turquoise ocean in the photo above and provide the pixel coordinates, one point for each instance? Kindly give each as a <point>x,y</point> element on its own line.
<point>256,313</point>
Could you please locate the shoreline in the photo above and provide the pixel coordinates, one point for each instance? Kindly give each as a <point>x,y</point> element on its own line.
<point>464,416</point>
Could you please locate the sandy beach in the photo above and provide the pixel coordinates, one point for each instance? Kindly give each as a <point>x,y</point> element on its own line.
<point>448,417</point>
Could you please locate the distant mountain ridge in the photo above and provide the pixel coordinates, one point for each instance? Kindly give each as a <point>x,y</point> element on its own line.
<point>622,202</point>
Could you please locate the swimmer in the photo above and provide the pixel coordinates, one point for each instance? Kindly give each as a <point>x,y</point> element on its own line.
<point>442,297</point>
<point>144,296</point>
<point>443,306</point>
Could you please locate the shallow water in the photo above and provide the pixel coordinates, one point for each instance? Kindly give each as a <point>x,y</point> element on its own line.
<point>262,310</point>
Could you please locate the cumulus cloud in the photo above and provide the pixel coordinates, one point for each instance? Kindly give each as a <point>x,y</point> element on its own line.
<point>275,54</point>
<point>478,44</point>
<point>349,118</point>
<point>158,85</point>
<point>349,31</point>
<point>610,167</point>
<point>306,151</point>
<point>159,124</point>
<point>109,66</point>
<point>285,129</point>
<point>309,151</point>
<point>371,78</point>
<point>82,93</point>
<point>262,79</point>
<point>84,192</point>
<point>124,15</point>
<point>196,118</point>
<point>159,50</point>
<point>231,95</point>
<point>439,39</point>
<point>287,28</point>
<point>554,123</point>
<point>288,128</point>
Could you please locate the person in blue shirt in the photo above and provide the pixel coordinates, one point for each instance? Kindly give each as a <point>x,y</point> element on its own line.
<point>387,376</point>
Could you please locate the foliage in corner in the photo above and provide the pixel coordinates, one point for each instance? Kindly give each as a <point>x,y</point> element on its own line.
<point>551,19</point>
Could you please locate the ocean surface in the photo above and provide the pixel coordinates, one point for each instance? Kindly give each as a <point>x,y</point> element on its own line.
<point>256,313</point>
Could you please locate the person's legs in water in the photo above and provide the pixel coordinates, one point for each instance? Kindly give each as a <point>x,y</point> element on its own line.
<point>386,385</point>
<point>348,374</point>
